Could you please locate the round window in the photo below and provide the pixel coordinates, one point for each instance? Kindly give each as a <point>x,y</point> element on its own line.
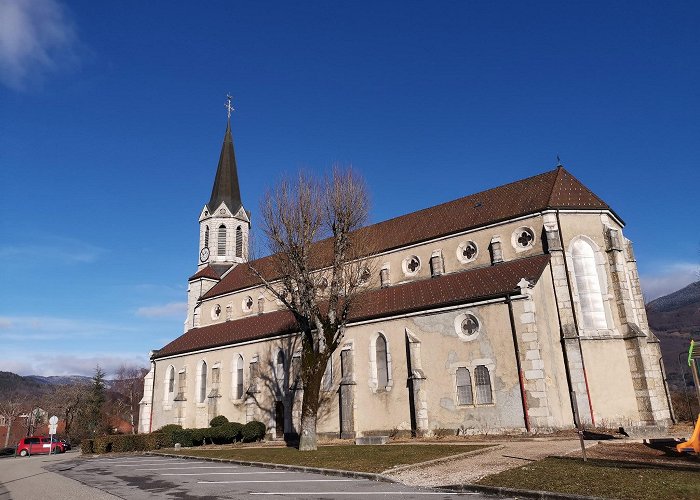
<point>248,303</point>
<point>467,251</point>
<point>523,238</point>
<point>216,312</point>
<point>467,326</point>
<point>411,265</point>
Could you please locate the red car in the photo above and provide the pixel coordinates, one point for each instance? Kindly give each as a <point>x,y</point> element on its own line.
<point>33,445</point>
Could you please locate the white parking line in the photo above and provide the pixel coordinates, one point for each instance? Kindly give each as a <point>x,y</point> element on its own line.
<point>203,467</point>
<point>161,463</point>
<point>334,493</point>
<point>286,481</point>
<point>227,473</point>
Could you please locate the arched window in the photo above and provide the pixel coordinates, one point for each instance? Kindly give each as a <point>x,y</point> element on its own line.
<point>588,285</point>
<point>382,363</point>
<point>484,395</point>
<point>239,242</point>
<point>279,367</point>
<point>202,382</point>
<point>464,387</point>
<point>206,237</point>
<point>221,243</point>
<point>169,385</point>
<point>239,377</point>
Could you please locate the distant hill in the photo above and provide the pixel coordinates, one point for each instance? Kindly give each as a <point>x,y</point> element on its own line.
<point>675,319</point>
<point>35,384</point>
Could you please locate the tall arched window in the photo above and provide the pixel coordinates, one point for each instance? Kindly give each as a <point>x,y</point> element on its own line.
<point>382,363</point>
<point>239,242</point>
<point>464,387</point>
<point>202,382</point>
<point>279,367</point>
<point>206,237</point>
<point>221,243</point>
<point>588,285</point>
<point>239,377</point>
<point>169,385</point>
<point>484,396</point>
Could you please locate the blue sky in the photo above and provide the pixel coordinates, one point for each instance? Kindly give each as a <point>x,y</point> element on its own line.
<point>111,121</point>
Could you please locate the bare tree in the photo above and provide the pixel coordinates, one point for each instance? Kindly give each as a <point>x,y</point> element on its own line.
<point>317,279</point>
<point>129,384</point>
<point>10,409</point>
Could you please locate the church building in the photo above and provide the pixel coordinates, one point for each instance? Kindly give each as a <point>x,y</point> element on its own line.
<point>516,309</point>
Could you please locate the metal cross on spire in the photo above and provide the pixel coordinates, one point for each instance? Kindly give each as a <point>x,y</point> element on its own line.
<point>228,105</point>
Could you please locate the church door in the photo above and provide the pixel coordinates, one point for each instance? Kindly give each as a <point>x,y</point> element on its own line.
<point>279,419</point>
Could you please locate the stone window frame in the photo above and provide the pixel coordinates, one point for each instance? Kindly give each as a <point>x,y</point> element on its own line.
<point>460,249</point>
<point>169,383</point>
<point>328,376</point>
<point>279,376</point>
<point>235,382</point>
<point>437,263</point>
<point>229,311</point>
<point>471,365</point>
<point>386,268</point>
<point>216,312</point>
<point>515,236</point>
<point>458,325</point>
<point>373,377</point>
<point>181,387</point>
<point>348,346</point>
<point>605,288</point>
<point>406,261</point>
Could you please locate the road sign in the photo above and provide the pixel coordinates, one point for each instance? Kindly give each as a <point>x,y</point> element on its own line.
<point>52,429</point>
<point>53,420</point>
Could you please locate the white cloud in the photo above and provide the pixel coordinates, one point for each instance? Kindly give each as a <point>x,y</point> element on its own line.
<point>35,328</point>
<point>61,363</point>
<point>35,36</point>
<point>169,310</point>
<point>668,278</point>
<point>56,249</point>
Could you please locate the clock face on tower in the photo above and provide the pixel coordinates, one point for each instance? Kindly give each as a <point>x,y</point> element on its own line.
<point>204,254</point>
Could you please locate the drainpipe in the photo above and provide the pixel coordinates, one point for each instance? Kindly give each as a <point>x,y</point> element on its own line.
<point>523,395</point>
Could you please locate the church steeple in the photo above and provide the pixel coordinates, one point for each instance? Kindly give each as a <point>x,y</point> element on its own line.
<point>226,189</point>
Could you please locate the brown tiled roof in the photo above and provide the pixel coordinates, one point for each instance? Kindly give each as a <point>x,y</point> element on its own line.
<point>212,271</point>
<point>554,189</point>
<point>441,291</point>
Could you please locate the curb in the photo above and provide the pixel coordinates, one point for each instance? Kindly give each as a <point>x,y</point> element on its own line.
<point>510,492</point>
<point>291,468</point>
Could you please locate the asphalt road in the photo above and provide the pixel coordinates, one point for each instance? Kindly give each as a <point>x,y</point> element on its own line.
<point>26,478</point>
<point>71,476</point>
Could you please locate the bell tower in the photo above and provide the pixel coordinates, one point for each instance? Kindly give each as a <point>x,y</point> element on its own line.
<point>224,225</point>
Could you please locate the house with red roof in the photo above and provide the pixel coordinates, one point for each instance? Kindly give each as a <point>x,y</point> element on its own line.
<point>518,308</point>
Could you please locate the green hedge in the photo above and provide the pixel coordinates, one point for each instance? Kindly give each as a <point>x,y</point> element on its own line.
<point>87,446</point>
<point>169,435</point>
<point>253,431</point>
<point>218,421</point>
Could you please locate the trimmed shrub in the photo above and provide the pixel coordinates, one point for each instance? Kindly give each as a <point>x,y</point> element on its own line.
<point>128,442</point>
<point>157,440</point>
<point>253,431</point>
<point>218,421</point>
<point>199,436</point>
<point>103,444</point>
<point>87,446</point>
<point>183,436</point>
<point>226,433</point>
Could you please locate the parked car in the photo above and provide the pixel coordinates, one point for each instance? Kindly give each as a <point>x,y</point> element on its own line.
<point>66,444</point>
<point>33,445</point>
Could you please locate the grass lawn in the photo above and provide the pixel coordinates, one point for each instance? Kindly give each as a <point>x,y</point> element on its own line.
<point>603,478</point>
<point>348,457</point>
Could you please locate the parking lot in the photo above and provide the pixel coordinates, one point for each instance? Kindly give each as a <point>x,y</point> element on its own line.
<point>142,477</point>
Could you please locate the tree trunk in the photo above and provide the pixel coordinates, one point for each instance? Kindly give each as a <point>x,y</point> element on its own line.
<point>308,440</point>
<point>9,430</point>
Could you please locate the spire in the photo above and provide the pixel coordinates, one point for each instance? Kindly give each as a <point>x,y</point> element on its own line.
<point>226,188</point>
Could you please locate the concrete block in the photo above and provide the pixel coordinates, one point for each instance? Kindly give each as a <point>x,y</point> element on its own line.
<point>534,374</point>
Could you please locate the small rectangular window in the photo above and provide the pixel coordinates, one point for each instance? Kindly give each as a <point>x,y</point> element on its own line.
<point>215,375</point>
